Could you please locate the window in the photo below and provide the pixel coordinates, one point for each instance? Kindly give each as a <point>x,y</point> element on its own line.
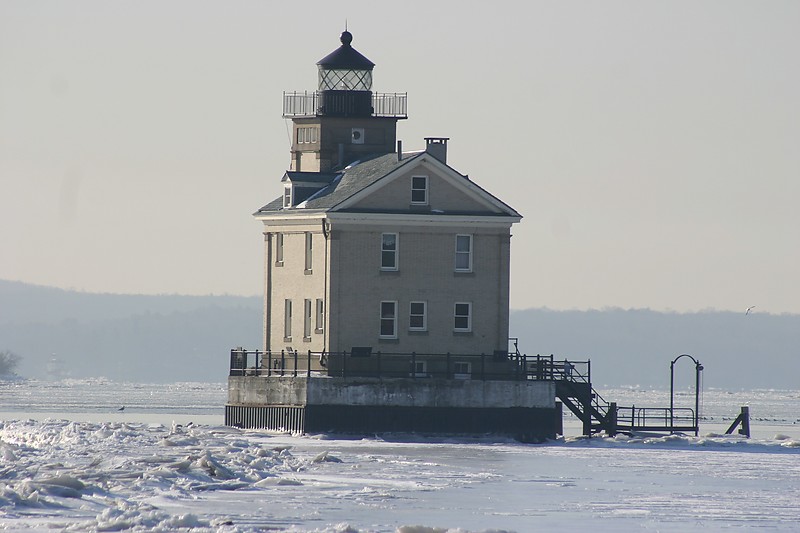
<point>307,319</point>
<point>419,369</point>
<point>388,320</point>
<point>418,319</point>
<point>389,251</point>
<point>279,249</point>
<point>287,196</point>
<point>307,135</point>
<point>320,326</point>
<point>463,253</point>
<point>419,190</point>
<point>462,370</point>
<point>463,316</point>
<point>287,319</point>
<point>309,242</point>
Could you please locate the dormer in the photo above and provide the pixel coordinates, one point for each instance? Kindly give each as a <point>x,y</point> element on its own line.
<point>300,186</point>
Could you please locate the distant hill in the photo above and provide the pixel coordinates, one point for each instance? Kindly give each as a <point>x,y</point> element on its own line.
<point>125,337</point>
<point>168,338</point>
<point>635,347</point>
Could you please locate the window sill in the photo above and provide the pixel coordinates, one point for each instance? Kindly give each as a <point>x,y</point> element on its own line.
<point>418,332</point>
<point>462,334</point>
<point>308,272</point>
<point>278,263</point>
<point>287,339</point>
<point>306,339</point>
<point>389,272</point>
<point>318,330</point>
<point>464,273</point>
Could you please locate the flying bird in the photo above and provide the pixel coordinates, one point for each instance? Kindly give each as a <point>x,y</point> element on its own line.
<point>121,408</point>
<point>749,309</point>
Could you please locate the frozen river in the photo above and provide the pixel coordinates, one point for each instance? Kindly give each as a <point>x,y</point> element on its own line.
<point>70,459</point>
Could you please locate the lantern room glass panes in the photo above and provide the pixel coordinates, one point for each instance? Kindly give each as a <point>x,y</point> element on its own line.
<point>345,80</point>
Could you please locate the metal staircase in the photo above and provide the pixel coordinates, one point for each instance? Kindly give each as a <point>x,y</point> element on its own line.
<point>574,389</point>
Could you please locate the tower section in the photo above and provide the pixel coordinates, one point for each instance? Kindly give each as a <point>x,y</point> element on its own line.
<point>342,121</point>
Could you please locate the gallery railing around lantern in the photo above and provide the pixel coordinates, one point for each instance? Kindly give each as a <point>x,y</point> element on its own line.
<point>314,104</point>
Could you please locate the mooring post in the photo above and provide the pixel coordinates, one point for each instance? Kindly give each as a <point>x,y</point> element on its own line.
<point>745,421</point>
<point>611,419</point>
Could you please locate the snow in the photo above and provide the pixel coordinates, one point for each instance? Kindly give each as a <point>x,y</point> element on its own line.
<point>142,474</point>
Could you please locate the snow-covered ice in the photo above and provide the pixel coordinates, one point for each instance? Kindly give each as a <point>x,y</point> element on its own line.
<point>137,474</point>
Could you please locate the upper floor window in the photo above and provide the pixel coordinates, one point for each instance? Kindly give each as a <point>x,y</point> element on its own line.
<point>279,249</point>
<point>419,190</point>
<point>309,245</point>
<point>388,320</point>
<point>320,325</point>
<point>463,253</point>
<point>307,135</point>
<point>307,319</point>
<point>418,316</point>
<point>287,196</point>
<point>389,251</point>
<point>287,319</point>
<point>462,315</point>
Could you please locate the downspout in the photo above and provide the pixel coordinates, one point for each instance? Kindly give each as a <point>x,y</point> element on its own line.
<point>326,232</point>
<point>267,289</point>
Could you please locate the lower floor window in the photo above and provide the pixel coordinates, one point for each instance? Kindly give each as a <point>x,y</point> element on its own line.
<point>389,320</point>
<point>462,317</point>
<point>417,320</point>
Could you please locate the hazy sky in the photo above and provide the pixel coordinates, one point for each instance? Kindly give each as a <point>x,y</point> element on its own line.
<point>653,148</point>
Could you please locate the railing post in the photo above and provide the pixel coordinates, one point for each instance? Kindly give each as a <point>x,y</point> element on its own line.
<point>283,362</point>
<point>258,364</point>
<point>269,363</point>
<point>483,366</point>
<point>344,364</point>
<point>447,369</point>
<point>378,362</point>
<point>413,365</point>
<point>294,374</point>
<point>308,368</point>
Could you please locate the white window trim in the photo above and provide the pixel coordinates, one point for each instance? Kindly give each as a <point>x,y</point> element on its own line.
<point>396,252</point>
<point>426,189</point>
<point>287,198</point>
<point>456,252</point>
<point>393,335</point>
<point>469,317</point>
<point>421,369</point>
<point>424,316</point>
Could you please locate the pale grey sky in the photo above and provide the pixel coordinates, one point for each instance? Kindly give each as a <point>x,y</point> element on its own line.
<point>653,148</point>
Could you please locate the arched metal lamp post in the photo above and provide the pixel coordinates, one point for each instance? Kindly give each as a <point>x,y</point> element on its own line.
<point>697,369</point>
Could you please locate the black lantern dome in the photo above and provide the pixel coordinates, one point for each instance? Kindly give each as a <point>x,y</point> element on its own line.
<point>345,69</point>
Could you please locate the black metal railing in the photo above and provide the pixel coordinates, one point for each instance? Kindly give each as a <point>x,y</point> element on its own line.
<point>655,418</point>
<point>362,362</point>
<point>311,104</point>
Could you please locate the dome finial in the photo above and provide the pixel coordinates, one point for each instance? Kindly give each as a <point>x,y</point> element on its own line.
<point>346,36</point>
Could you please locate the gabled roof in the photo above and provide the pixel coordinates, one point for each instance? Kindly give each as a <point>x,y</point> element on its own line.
<point>360,178</point>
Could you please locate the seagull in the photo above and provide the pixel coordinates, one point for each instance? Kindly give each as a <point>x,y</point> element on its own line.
<point>749,309</point>
<point>121,408</point>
